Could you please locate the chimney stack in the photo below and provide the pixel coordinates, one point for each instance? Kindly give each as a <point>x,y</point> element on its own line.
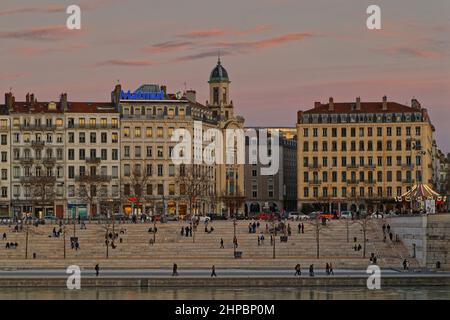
<point>415,104</point>
<point>385,104</point>
<point>28,98</point>
<point>9,100</point>
<point>317,104</point>
<point>63,101</point>
<point>191,95</point>
<point>331,104</point>
<point>358,103</point>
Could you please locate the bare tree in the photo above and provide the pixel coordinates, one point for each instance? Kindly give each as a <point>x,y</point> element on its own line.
<point>363,222</point>
<point>319,224</point>
<point>139,177</point>
<point>43,190</point>
<point>195,183</point>
<point>90,190</point>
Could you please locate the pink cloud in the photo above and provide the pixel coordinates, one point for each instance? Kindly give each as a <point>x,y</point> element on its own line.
<point>169,46</point>
<point>50,33</point>
<point>198,34</point>
<point>34,52</point>
<point>130,63</point>
<point>270,42</point>
<point>31,9</point>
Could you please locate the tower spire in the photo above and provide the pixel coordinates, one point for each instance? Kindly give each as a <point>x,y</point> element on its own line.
<point>218,57</point>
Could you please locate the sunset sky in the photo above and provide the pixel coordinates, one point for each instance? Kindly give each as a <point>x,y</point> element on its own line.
<point>281,55</point>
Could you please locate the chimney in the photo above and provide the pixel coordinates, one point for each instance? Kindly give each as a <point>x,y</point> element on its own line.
<point>317,104</point>
<point>32,99</point>
<point>28,98</point>
<point>300,117</point>
<point>191,95</point>
<point>63,101</point>
<point>331,104</point>
<point>358,103</point>
<point>9,100</point>
<point>415,104</point>
<point>385,104</point>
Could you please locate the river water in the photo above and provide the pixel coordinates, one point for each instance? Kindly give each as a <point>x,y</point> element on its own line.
<point>306,293</point>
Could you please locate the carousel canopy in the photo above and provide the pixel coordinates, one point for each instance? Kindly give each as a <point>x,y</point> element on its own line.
<point>421,192</point>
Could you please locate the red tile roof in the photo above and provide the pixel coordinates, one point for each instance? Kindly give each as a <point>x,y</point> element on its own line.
<point>75,107</point>
<point>366,107</point>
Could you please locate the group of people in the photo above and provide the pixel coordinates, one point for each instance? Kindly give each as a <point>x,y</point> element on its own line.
<point>74,244</point>
<point>328,269</point>
<point>186,231</point>
<point>11,245</point>
<point>356,246</point>
<point>388,233</point>
<point>301,228</point>
<point>253,226</point>
<point>56,234</point>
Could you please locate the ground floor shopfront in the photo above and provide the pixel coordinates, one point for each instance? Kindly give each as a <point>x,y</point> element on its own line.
<point>354,205</point>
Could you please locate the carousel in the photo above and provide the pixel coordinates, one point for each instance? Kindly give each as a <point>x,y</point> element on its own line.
<point>423,199</point>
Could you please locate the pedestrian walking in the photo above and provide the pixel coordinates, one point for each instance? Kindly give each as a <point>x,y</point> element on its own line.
<point>311,270</point>
<point>259,240</point>
<point>327,268</point>
<point>213,271</point>
<point>331,269</point>
<point>97,270</point>
<point>384,228</point>
<point>182,231</point>
<point>303,228</point>
<point>4,236</point>
<point>391,236</point>
<point>388,228</point>
<point>405,264</point>
<point>174,270</point>
<point>221,244</point>
<point>299,228</point>
<point>298,270</point>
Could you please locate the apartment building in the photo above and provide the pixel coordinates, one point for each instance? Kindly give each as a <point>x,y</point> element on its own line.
<point>360,155</point>
<point>5,158</point>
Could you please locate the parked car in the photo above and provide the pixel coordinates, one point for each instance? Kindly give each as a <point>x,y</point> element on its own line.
<point>5,220</point>
<point>171,217</point>
<point>201,219</point>
<point>314,214</point>
<point>262,216</point>
<point>295,215</point>
<point>217,216</point>
<point>346,215</point>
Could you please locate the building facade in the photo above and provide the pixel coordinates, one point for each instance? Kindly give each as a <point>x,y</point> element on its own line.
<point>82,159</point>
<point>360,155</point>
<point>278,192</point>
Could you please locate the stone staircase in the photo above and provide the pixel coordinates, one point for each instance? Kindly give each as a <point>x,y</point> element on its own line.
<point>135,251</point>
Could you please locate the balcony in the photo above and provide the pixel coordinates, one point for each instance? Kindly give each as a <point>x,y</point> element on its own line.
<point>315,182</point>
<point>38,180</point>
<point>314,167</point>
<point>93,160</point>
<point>371,182</point>
<point>93,178</point>
<point>352,182</point>
<point>34,127</point>
<point>26,161</point>
<point>352,166</point>
<point>37,144</point>
<point>49,161</point>
<point>369,166</point>
<point>406,166</point>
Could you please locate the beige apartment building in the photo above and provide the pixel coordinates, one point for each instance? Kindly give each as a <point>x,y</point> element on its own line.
<point>360,155</point>
<point>5,167</point>
<point>92,158</point>
<point>37,151</point>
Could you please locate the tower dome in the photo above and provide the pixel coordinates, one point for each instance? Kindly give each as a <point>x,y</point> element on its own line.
<point>219,74</point>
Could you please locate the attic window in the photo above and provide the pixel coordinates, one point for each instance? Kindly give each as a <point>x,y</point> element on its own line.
<point>52,106</point>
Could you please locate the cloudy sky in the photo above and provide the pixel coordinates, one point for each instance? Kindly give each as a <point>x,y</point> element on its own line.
<point>281,55</point>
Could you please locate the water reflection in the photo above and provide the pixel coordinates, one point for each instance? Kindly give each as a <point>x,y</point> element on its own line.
<point>307,293</point>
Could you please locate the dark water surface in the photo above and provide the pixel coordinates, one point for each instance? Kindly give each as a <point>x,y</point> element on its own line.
<point>307,293</point>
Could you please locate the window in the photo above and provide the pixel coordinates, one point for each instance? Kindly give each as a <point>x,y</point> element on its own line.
<point>104,137</point>
<point>126,132</point>
<point>104,154</point>
<point>417,131</point>
<point>71,154</point>
<point>92,122</point>
<point>71,137</point>
<point>115,154</point>
<point>82,154</point>
<point>126,170</point>
<point>137,132</point>
<point>71,172</point>
<point>160,132</point>
<point>126,151</point>
<point>82,137</point>
<point>149,151</point>
<point>93,137</point>
<point>4,140</point>
<point>137,151</point>
<point>114,137</point>
<point>103,122</point>
<point>160,170</point>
